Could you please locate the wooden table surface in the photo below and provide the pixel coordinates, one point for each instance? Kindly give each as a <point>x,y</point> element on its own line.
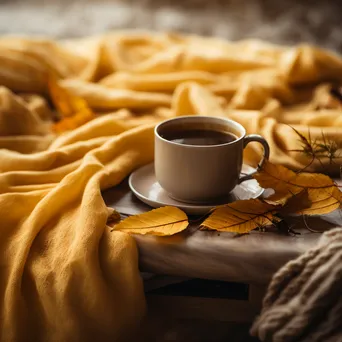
<point>251,258</point>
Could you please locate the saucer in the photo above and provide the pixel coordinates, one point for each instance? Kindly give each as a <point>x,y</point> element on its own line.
<point>144,185</point>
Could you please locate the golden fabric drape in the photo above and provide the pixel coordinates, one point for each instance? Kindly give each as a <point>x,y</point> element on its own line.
<point>64,275</point>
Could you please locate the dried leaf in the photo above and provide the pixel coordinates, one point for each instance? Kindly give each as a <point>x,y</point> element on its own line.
<point>296,203</point>
<point>162,222</point>
<point>242,216</point>
<point>284,181</point>
<point>323,193</point>
<point>74,110</point>
<point>114,217</point>
<point>323,205</point>
<point>65,103</point>
<point>79,119</point>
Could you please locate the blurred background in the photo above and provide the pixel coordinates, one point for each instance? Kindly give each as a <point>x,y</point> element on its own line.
<point>278,21</point>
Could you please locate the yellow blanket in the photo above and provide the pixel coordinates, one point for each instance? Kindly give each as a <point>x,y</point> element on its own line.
<point>64,276</point>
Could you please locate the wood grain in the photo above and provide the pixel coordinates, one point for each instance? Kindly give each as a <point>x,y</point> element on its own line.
<point>251,258</point>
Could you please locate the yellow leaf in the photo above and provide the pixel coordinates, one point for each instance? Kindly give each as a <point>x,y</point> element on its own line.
<point>323,204</point>
<point>162,222</point>
<point>242,216</point>
<point>65,103</point>
<point>70,123</point>
<point>296,203</point>
<point>322,192</point>
<point>74,110</point>
<point>284,181</point>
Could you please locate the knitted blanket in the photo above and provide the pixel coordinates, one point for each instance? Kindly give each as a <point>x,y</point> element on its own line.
<point>304,299</point>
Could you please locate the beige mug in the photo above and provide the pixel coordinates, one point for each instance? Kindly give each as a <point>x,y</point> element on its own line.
<point>201,173</point>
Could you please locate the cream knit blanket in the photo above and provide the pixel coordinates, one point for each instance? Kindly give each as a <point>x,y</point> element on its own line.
<point>304,300</point>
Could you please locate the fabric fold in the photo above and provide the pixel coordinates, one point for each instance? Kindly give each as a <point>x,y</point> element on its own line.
<point>64,275</point>
<point>57,272</point>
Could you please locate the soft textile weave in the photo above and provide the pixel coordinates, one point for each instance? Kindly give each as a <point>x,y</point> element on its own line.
<point>303,301</point>
<point>64,276</point>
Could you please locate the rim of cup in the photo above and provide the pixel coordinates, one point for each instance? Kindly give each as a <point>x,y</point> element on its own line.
<point>232,123</point>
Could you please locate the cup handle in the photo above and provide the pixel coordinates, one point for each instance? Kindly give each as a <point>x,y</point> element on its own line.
<point>263,142</point>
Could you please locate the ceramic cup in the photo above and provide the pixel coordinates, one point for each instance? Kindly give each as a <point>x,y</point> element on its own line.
<point>201,173</point>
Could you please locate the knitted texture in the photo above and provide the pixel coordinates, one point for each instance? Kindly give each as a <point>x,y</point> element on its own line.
<point>303,301</point>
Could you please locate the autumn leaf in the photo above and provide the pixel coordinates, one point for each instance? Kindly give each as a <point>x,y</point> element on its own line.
<point>114,217</point>
<point>74,110</point>
<point>323,205</point>
<point>161,222</point>
<point>296,203</point>
<point>242,216</point>
<point>284,181</point>
<point>65,103</point>
<point>68,124</point>
<point>323,193</point>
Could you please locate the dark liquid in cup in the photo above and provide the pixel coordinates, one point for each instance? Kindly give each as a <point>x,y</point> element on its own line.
<point>200,137</point>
